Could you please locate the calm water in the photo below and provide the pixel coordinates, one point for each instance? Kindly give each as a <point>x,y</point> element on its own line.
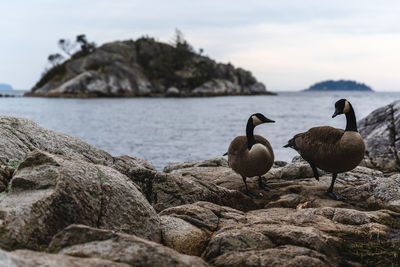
<point>165,130</point>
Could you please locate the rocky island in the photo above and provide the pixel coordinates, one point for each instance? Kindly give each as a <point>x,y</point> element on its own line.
<point>64,202</point>
<point>340,85</point>
<point>144,67</point>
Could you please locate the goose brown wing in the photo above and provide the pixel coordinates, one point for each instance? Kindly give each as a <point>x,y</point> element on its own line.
<point>316,142</point>
<point>262,140</point>
<point>238,145</point>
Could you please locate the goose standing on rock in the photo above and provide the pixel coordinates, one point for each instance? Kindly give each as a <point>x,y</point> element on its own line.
<point>251,155</point>
<point>330,149</point>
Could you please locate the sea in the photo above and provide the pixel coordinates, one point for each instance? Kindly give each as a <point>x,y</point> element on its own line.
<point>167,130</point>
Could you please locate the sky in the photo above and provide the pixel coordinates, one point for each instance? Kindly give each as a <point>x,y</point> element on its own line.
<point>286,44</point>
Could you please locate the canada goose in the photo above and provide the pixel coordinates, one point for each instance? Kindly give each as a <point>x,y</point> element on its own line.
<point>330,149</point>
<point>251,155</point>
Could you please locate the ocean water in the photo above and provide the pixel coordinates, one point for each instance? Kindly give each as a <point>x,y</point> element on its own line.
<point>166,130</point>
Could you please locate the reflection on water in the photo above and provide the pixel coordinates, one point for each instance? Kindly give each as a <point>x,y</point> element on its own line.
<point>165,130</point>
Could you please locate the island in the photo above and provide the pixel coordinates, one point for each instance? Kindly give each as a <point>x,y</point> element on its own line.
<point>340,85</point>
<point>142,67</point>
<point>4,86</point>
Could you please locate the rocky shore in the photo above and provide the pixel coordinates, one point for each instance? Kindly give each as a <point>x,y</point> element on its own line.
<point>145,67</point>
<point>64,202</point>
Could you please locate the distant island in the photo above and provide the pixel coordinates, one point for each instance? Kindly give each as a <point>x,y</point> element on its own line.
<point>4,86</point>
<point>142,67</point>
<point>340,85</point>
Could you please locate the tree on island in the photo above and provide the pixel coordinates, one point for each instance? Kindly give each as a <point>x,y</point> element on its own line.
<point>69,48</point>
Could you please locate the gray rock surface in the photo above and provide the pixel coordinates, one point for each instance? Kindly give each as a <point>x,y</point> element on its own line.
<point>28,258</point>
<point>172,92</point>
<point>19,136</point>
<point>83,241</point>
<point>48,192</point>
<point>144,67</point>
<point>276,236</point>
<point>165,190</point>
<point>381,133</point>
<point>218,86</point>
<point>293,184</point>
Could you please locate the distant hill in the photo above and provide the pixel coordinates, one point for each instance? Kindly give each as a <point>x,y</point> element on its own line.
<point>340,85</point>
<point>4,86</point>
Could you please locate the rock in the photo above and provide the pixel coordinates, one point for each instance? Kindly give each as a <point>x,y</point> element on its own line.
<point>235,240</point>
<point>387,190</point>
<point>188,228</point>
<point>279,163</point>
<point>217,87</point>
<point>293,185</point>
<point>27,258</point>
<point>216,172</point>
<point>257,88</point>
<point>144,67</point>
<point>84,241</point>
<point>19,136</point>
<point>183,236</point>
<point>280,256</point>
<point>172,92</point>
<point>298,215</point>
<point>380,131</point>
<point>214,162</point>
<point>280,236</point>
<point>49,192</point>
<point>165,190</point>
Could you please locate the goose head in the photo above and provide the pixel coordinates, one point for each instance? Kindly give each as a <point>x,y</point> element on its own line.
<point>258,118</point>
<point>342,106</point>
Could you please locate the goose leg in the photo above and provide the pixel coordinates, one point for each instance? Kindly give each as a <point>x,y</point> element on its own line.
<point>315,171</point>
<point>330,192</point>
<point>247,189</point>
<point>262,185</point>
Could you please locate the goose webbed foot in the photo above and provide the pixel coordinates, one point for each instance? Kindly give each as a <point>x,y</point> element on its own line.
<point>330,192</point>
<point>334,195</point>
<point>250,194</point>
<point>262,185</point>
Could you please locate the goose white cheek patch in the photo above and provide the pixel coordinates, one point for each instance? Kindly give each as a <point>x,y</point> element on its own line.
<point>346,107</point>
<point>256,121</point>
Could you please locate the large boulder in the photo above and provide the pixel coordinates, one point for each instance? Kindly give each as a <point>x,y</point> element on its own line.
<point>188,228</point>
<point>87,242</point>
<point>381,131</point>
<point>19,136</point>
<point>49,192</point>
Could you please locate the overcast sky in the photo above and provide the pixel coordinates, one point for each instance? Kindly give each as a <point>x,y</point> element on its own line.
<point>287,44</point>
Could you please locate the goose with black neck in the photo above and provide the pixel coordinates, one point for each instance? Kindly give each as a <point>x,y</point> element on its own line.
<point>330,149</point>
<point>251,155</point>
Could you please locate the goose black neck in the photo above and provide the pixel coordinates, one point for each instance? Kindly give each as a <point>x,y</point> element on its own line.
<point>351,123</point>
<point>250,133</point>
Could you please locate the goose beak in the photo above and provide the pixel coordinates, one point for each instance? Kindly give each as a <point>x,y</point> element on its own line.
<point>268,120</point>
<point>335,114</point>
